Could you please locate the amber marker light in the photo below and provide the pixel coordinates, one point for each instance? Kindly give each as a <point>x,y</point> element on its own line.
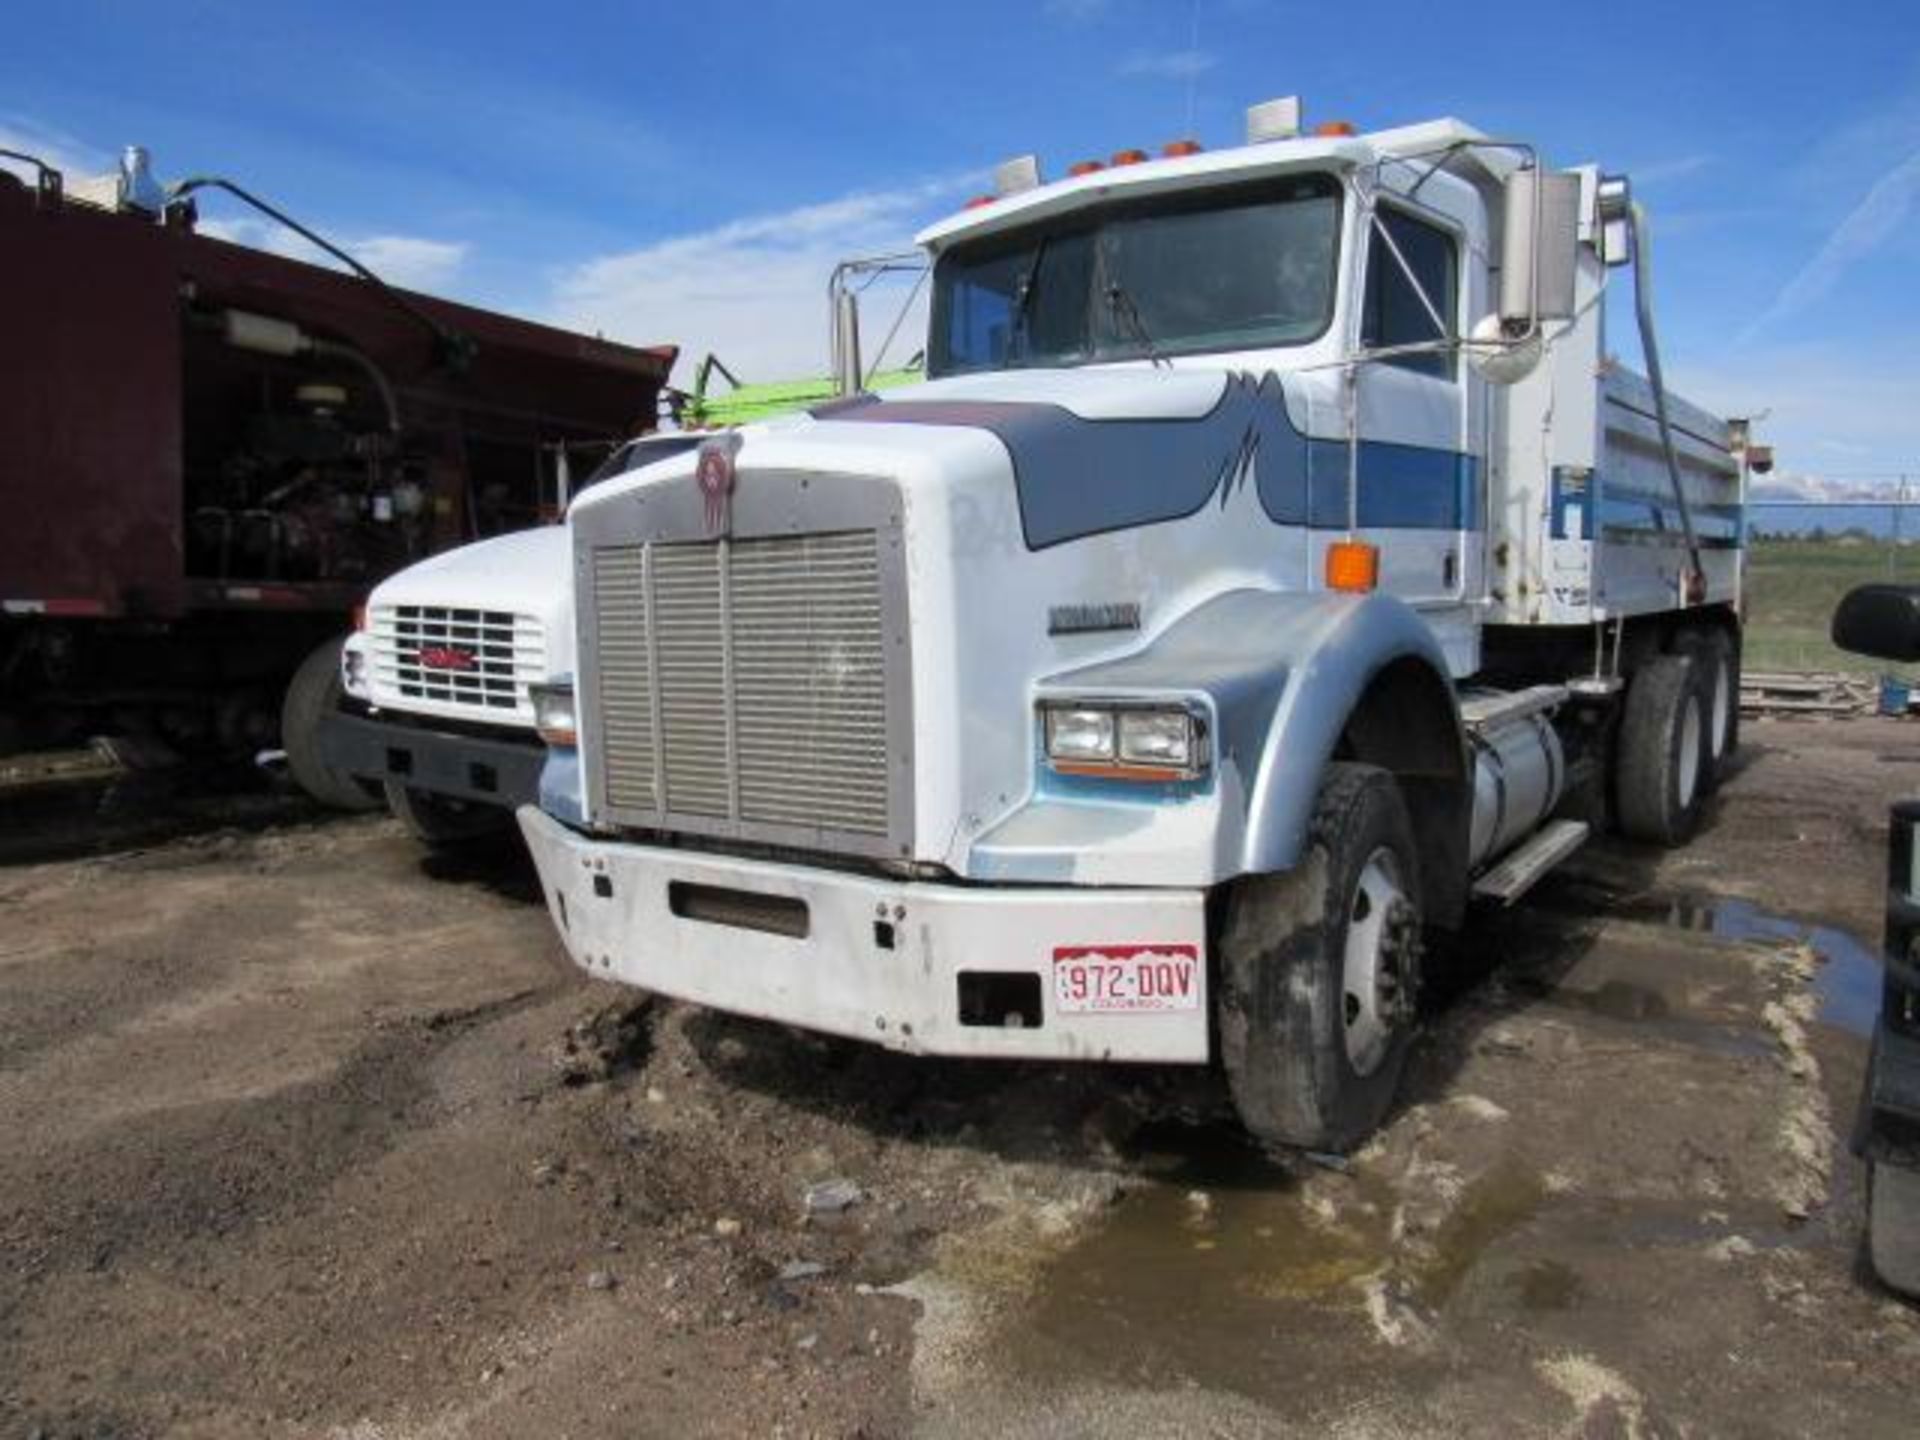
<point>1353,565</point>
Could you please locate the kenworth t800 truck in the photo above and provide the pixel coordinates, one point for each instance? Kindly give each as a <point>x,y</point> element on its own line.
<point>1274,564</point>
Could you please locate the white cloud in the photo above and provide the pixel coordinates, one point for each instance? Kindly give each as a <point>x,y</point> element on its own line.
<point>754,291</point>
<point>1846,410</point>
<point>1878,216</point>
<point>412,262</point>
<point>1674,167</point>
<point>1169,64</point>
<point>75,159</point>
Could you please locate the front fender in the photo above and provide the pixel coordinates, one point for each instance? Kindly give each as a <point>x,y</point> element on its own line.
<point>1280,673</point>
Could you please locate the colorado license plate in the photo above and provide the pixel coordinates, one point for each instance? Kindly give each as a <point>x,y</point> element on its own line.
<point>1117,979</point>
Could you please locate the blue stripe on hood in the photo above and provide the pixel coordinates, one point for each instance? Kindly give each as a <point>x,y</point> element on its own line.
<point>1077,477</point>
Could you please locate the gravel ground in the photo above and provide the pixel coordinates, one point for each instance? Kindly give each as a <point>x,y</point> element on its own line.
<point>310,1134</point>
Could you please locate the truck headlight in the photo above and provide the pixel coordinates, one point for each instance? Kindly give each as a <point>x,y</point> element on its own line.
<point>353,666</point>
<point>1125,741</point>
<point>553,714</point>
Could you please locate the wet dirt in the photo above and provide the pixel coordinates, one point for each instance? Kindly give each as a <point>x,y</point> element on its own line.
<point>309,1134</point>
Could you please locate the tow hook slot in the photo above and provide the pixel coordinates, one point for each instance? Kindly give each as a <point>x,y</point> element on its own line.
<point>739,909</point>
<point>1000,999</point>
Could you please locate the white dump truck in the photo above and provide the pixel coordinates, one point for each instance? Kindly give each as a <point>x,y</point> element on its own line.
<point>1275,564</point>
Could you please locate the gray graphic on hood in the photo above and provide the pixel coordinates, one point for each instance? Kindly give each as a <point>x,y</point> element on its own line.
<point>1077,477</point>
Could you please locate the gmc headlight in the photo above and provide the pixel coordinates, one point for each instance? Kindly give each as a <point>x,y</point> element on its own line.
<point>353,667</point>
<point>553,714</point>
<point>1125,741</point>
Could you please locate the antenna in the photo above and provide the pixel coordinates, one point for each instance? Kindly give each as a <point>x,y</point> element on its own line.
<point>1193,68</point>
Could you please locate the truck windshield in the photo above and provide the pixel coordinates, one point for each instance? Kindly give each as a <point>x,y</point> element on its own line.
<point>1237,269</point>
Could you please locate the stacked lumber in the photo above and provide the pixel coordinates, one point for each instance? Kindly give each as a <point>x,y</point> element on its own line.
<point>1807,692</point>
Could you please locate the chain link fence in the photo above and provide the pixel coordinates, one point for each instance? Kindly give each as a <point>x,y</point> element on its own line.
<point>1802,557</point>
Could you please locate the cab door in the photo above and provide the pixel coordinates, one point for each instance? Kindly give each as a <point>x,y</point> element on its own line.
<point>1417,492</point>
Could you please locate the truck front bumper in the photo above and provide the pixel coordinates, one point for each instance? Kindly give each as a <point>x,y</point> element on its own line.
<point>440,762</point>
<point>919,966</point>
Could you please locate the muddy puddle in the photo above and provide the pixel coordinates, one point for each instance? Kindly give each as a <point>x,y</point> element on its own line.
<point>1847,981</point>
<point>1218,1257</point>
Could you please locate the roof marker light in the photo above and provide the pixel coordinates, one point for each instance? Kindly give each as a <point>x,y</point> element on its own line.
<point>1085,167</point>
<point>1327,129</point>
<point>1010,177</point>
<point>1174,149</point>
<point>1129,157</point>
<point>977,201</point>
<point>1273,120</point>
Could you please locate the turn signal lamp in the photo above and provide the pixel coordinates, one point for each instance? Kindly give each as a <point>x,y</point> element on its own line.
<point>1085,167</point>
<point>359,617</point>
<point>1328,129</point>
<point>1353,565</point>
<point>1174,149</point>
<point>1130,157</point>
<point>553,714</point>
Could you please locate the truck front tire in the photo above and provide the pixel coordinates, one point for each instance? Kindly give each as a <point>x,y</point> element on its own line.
<point>312,695</point>
<point>1661,758</point>
<point>441,823</point>
<point>1319,971</point>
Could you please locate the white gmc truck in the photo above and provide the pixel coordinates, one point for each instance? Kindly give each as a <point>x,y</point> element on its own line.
<point>435,682</point>
<point>1275,564</point>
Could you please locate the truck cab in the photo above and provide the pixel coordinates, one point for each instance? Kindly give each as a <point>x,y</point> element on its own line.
<point>1269,568</point>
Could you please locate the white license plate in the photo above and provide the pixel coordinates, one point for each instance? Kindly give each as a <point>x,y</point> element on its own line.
<point>1122,979</point>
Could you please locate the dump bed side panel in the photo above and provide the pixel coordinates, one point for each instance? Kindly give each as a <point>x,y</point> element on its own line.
<point>1640,557</point>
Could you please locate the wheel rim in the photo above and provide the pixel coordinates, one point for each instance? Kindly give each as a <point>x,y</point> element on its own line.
<point>1375,976</point>
<point>1689,776</point>
<point>1722,707</point>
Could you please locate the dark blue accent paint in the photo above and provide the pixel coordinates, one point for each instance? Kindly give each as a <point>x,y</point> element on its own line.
<point>1077,477</point>
<point>1637,512</point>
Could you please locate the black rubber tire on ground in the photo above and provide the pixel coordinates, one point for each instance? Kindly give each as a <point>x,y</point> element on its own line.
<point>1893,1225</point>
<point>1287,1013</point>
<point>313,694</point>
<point>443,823</point>
<point>1717,656</point>
<point>1660,756</point>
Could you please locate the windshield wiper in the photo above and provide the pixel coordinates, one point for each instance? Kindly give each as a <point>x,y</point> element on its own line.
<point>1124,309</point>
<point>1023,299</point>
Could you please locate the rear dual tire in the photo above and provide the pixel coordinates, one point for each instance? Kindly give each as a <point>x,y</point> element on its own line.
<point>1661,756</point>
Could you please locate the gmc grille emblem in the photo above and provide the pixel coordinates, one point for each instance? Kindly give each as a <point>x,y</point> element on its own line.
<point>446,657</point>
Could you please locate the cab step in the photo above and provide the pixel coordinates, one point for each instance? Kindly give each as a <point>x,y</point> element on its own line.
<point>1520,871</point>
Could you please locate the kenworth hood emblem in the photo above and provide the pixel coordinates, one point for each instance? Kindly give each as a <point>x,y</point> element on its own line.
<point>714,472</point>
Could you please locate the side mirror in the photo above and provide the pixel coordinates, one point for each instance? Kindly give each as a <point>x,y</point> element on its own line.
<point>1882,621</point>
<point>1540,246</point>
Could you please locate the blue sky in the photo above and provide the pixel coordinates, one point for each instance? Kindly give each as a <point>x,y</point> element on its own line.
<point>686,173</point>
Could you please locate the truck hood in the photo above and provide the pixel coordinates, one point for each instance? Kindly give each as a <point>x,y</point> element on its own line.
<point>1108,393</point>
<point>526,572</point>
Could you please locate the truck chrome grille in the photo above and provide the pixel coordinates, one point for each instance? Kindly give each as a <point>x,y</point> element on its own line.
<point>742,684</point>
<point>478,660</point>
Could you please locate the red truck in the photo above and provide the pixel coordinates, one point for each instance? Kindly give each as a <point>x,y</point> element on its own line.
<point>209,454</point>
